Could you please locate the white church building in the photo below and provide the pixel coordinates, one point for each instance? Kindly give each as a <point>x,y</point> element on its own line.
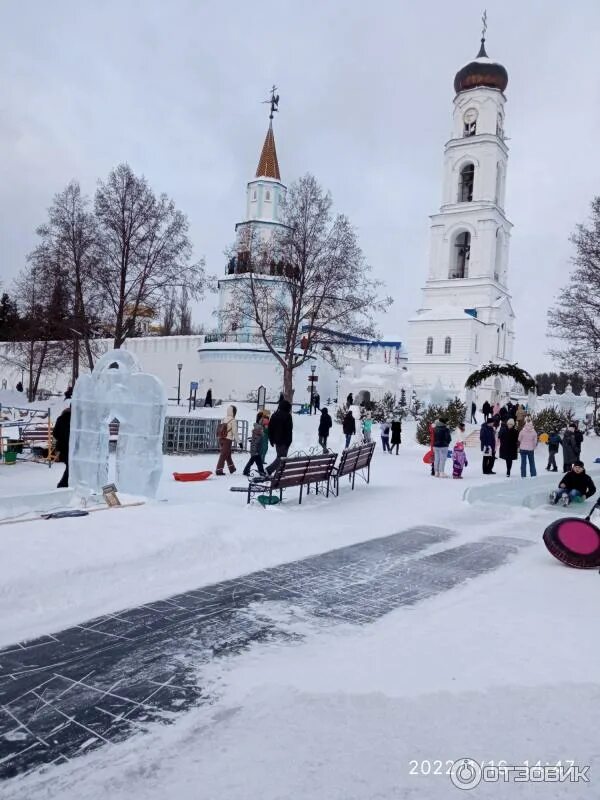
<point>466,318</point>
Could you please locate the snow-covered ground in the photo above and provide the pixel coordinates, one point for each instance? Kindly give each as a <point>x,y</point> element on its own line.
<point>502,667</point>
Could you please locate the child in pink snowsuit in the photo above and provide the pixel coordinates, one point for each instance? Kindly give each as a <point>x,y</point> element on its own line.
<point>459,460</point>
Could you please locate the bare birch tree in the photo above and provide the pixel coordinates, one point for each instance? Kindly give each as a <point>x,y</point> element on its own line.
<point>36,348</point>
<point>143,249</point>
<point>184,314</point>
<point>168,317</point>
<point>575,318</point>
<point>67,252</point>
<point>309,281</point>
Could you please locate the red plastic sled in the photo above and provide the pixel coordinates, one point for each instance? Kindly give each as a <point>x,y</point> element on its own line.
<point>428,457</point>
<point>192,476</point>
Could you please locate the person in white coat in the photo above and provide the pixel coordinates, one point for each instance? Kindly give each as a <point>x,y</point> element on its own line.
<point>227,437</point>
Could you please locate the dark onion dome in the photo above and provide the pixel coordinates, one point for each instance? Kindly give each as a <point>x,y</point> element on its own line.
<point>482,71</point>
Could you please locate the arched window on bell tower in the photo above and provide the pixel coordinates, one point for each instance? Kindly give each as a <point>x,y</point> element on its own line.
<point>499,254</point>
<point>500,125</point>
<point>460,256</point>
<point>429,346</point>
<point>465,183</point>
<point>447,346</point>
<point>470,122</point>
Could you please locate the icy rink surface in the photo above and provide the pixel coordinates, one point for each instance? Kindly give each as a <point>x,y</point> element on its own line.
<point>502,667</point>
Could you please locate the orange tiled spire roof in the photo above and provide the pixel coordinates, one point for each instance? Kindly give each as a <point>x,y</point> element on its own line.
<point>268,166</point>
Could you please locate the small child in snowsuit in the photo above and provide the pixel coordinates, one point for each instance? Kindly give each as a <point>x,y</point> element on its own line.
<point>459,460</point>
<point>255,447</point>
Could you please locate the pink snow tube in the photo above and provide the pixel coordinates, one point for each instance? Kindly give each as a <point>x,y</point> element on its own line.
<point>575,542</point>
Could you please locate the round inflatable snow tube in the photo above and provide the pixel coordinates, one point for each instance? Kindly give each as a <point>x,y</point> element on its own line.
<point>575,542</point>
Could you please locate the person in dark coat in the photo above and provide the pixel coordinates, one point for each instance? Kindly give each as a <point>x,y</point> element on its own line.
<point>316,401</point>
<point>349,427</point>
<point>578,439</point>
<point>19,387</point>
<point>503,413</point>
<point>62,433</point>
<point>509,444</point>
<point>68,392</point>
<point>396,439</point>
<point>281,428</point>
<point>256,440</point>
<point>473,412</point>
<point>324,428</point>
<point>441,442</point>
<point>554,443</point>
<point>487,437</point>
<point>486,410</point>
<point>570,449</point>
<point>208,401</point>
<point>575,484</point>
<point>350,400</point>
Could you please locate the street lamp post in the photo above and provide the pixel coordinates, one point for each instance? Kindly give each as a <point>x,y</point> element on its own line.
<point>179,368</point>
<point>596,395</point>
<point>313,369</point>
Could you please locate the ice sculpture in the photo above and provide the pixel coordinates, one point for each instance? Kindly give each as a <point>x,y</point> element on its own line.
<point>117,388</point>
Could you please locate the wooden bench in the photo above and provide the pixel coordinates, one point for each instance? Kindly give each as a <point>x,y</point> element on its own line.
<point>297,471</point>
<point>34,434</point>
<point>353,460</point>
<point>36,439</point>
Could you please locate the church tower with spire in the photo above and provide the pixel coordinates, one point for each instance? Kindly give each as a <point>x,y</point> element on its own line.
<point>265,194</point>
<point>235,361</point>
<point>466,318</point>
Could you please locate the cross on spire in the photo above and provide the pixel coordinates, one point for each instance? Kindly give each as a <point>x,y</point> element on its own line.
<point>482,53</point>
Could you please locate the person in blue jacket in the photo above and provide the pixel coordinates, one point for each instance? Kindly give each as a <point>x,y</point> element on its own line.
<point>554,443</point>
<point>487,437</point>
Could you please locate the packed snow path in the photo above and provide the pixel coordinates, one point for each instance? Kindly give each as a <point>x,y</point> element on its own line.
<point>101,682</point>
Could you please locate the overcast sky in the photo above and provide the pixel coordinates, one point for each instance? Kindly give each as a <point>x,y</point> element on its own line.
<point>174,88</point>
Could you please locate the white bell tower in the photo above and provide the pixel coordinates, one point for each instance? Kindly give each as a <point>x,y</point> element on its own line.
<point>466,317</point>
<point>265,195</point>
